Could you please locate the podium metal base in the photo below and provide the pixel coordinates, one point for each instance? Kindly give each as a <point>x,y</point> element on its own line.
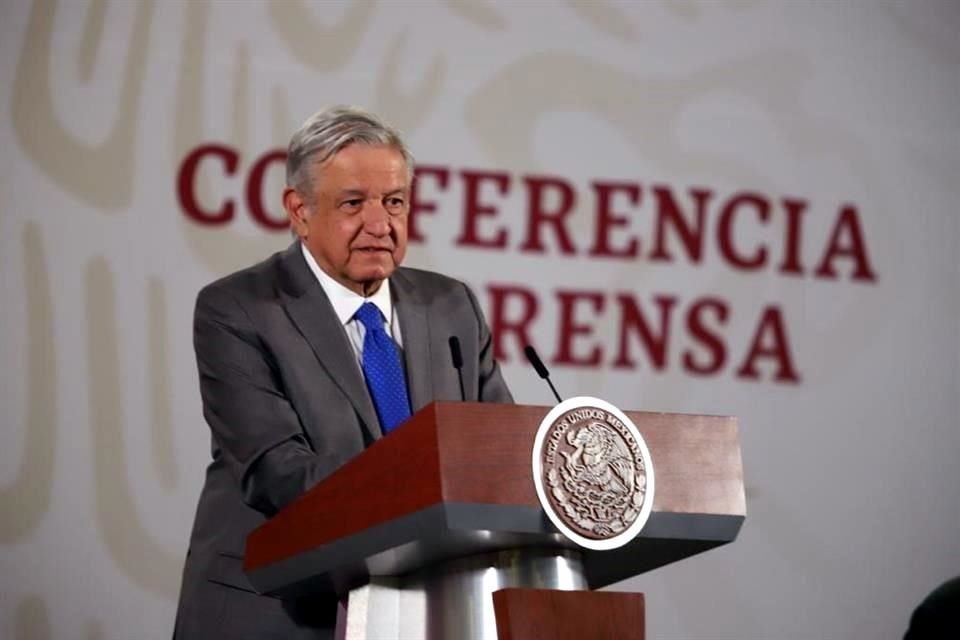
<point>453,599</point>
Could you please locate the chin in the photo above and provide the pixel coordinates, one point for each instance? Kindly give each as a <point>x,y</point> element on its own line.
<point>374,274</point>
<point>379,266</point>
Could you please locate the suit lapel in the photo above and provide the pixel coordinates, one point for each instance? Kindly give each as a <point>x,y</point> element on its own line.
<point>415,328</point>
<point>311,311</point>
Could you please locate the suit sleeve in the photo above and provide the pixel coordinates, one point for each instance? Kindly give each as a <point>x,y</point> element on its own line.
<point>491,387</point>
<point>258,433</point>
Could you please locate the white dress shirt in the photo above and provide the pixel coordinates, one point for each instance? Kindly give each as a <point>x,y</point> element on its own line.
<point>346,302</point>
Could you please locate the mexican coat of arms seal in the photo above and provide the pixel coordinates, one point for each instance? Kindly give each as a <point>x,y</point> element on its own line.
<point>593,473</point>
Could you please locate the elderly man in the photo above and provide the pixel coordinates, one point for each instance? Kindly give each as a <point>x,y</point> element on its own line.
<point>311,355</point>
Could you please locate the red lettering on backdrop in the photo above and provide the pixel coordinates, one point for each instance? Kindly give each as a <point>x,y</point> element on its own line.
<point>679,228</point>
<point>255,191</point>
<point>608,220</point>
<point>418,206</point>
<point>186,178</point>
<point>770,341</point>
<point>725,232</point>
<point>709,339</point>
<point>848,225</point>
<point>473,209</point>
<point>570,328</point>
<point>690,235</point>
<point>655,344</point>
<point>518,326</point>
<point>538,216</point>
<point>791,255</point>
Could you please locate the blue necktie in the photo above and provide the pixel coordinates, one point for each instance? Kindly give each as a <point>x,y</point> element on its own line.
<point>382,369</point>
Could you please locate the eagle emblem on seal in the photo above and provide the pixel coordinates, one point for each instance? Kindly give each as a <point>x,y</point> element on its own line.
<point>594,473</point>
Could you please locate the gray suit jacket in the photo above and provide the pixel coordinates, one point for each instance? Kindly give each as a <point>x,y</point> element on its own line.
<point>287,405</point>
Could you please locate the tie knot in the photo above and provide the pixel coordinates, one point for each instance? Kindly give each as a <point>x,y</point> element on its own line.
<point>369,316</point>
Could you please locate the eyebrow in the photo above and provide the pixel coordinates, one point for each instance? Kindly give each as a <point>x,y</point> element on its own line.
<point>346,193</point>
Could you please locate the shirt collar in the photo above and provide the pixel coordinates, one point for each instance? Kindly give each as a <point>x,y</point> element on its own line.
<point>346,302</point>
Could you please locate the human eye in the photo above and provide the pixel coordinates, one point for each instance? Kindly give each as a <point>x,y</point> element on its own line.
<point>395,204</point>
<point>351,204</point>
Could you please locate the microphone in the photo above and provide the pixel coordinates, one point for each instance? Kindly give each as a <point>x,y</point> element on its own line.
<point>534,359</point>
<point>457,359</point>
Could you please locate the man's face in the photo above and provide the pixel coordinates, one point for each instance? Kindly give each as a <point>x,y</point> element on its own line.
<point>354,222</point>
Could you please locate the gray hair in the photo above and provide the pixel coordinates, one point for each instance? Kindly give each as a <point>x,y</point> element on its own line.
<point>328,131</point>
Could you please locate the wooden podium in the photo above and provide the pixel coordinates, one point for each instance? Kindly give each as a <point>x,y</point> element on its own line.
<point>443,512</point>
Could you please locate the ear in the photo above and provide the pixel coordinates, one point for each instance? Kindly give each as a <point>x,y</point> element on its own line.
<point>297,211</point>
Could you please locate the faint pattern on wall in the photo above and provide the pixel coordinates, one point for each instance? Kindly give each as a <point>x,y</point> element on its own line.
<point>319,46</point>
<point>240,99</point>
<point>606,18</point>
<point>91,39</point>
<point>220,249</point>
<point>282,123</point>
<point>160,391</point>
<point>131,545</point>
<point>28,497</point>
<point>409,106</point>
<point>187,130</point>
<point>32,622</point>
<point>100,175</point>
<point>690,10</point>
<point>932,30</point>
<point>479,12</point>
<point>645,110</point>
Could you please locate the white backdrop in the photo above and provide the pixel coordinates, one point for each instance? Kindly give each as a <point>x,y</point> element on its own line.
<point>852,481</point>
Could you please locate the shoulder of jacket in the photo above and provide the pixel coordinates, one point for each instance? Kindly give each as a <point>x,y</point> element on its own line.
<point>256,281</point>
<point>422,277</point>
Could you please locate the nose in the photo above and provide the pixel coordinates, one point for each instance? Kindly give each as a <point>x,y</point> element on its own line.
<point>376,218</point>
